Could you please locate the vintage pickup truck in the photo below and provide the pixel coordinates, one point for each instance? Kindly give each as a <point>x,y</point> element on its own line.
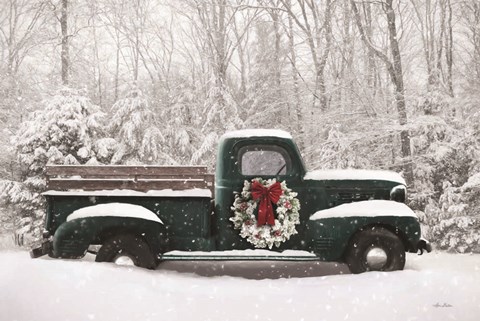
<point>261,197</point>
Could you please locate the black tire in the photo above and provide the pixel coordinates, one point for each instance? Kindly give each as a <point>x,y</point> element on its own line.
<point>131,246</point>
<point>359,255</point>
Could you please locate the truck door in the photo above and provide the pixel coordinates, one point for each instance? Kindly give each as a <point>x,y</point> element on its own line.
<point>267,160</point>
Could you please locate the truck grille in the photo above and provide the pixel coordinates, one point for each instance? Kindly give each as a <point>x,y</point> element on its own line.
<point>323,244</point>
<point>354,197</point>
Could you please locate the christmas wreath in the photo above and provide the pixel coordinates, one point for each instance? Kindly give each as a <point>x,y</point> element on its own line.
<point>269,196</point>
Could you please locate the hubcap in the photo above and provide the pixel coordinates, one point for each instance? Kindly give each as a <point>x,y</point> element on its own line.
<point>123,260</point>
<point>376,258</point>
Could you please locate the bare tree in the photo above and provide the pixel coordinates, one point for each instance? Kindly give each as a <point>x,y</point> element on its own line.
<point>394,67</point>
<point>317,36</point>
<point>112,19</point>
<point>133,29</point>
<point>19,24</point>
<point>159,49</point>
<point>370,55</point>
<point>434,23</point>
<point>213,22</point>
<point>95,35</point>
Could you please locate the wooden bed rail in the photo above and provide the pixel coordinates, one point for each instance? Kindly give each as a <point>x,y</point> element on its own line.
<point>138,178</point>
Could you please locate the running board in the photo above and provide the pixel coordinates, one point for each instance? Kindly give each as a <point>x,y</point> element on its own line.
<point>170,257</point>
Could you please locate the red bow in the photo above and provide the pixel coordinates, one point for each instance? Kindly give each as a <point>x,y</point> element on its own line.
<point>267,196</point>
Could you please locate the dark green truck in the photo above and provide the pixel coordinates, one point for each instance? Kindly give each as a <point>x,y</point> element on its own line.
<point>261,197</point>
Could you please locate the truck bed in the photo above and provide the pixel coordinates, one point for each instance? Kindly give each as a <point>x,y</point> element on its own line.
<point>180,196</point>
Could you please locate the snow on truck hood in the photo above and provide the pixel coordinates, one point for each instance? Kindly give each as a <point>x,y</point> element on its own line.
<point>371,208</point>
<point>115,210</point>
<point>355,174</point>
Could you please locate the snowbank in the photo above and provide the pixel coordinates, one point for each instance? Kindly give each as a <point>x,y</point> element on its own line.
<point>6,240</point>
<point>371,208</point>
<point>115,210</point>
<point>433,287</point>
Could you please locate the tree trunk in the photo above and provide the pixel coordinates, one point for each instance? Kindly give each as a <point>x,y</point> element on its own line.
<point>371,72</point>
<point>221,67</point>
<point>243,67</point>
<point>325,55</point>
<point>276,54</point>
<point>281,105</point>
<point>396,75</point>
<point>117,66</point>
<point>293,61</point>
<point>475,38</point>
<point>399,92</point>
<point>64,54</point>
<point>345,73</point>
<point>449,49</point>
<point>319,62</point>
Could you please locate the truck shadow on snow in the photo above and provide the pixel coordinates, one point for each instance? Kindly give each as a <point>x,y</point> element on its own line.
<point>256,270</point>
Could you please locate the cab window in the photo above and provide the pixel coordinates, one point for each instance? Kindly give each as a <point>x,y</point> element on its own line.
<point>264,161</point>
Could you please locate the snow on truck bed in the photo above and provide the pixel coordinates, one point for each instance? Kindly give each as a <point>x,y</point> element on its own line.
<point>115,210</point>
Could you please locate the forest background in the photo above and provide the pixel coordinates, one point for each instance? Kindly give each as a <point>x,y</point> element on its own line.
<point>360,84</point>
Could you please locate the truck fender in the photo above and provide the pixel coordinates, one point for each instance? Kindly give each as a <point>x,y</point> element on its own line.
<point>94,224</point>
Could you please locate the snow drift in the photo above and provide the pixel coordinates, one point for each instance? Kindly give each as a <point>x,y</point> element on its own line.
<point>434,287</point>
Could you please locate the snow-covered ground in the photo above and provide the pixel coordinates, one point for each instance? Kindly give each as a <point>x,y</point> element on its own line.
<point>437,286</point>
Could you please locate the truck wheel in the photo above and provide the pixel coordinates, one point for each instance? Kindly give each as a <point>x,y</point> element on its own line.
<point>375,249</point>
<point>124,249</point>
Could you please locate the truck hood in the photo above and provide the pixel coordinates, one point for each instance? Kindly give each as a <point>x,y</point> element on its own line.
<point>355,174</point>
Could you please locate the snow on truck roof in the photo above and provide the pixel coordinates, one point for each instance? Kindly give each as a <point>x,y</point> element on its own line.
<point>355,174</point>
<point>244,133</point>
<point>343,174</point>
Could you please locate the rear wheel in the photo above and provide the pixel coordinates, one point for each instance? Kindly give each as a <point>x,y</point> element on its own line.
<point>375,249</point>
<point>126,249</point>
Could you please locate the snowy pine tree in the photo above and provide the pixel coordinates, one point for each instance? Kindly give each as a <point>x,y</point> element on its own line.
<point>183,130</point>
<point>446,178</point>
<point>136,128</point>
<point>65,131</point>
<point>221,115</point>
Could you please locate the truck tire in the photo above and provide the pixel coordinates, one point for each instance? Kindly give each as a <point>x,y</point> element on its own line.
<point>375,249</point>
<point>127,246</point>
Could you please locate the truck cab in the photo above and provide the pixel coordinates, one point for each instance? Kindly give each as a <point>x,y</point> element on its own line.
<point>352,216</point>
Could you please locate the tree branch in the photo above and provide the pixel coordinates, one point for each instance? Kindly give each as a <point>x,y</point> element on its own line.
<point>369,44</point>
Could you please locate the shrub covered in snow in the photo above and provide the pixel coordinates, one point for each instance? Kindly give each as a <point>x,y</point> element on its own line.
<point>460,230</point>
<point>458,234</point>
<point>66,131</point>
<point>453,222</point>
